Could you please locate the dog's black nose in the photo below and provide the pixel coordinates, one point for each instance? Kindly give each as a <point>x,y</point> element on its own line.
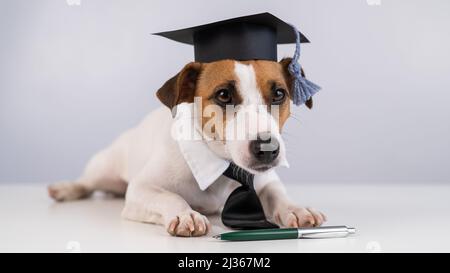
<point>265,148</point>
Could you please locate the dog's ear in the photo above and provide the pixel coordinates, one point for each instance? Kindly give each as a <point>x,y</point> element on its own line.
<point>181,87</point>
<point>285,65</point>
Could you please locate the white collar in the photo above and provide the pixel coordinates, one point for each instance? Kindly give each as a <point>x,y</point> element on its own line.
<point>205,165</point>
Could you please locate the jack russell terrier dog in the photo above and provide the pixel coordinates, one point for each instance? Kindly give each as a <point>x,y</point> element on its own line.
<point>168,181</point>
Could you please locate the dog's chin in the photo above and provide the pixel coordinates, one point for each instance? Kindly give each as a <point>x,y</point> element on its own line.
<point>258,168</point>
<point>261,168</point>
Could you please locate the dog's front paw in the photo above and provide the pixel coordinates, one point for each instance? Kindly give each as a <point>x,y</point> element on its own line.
<point>292,216</point>
<point>189,223</point>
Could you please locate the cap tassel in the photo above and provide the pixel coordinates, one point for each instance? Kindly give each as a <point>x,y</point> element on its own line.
<point>303,88</point>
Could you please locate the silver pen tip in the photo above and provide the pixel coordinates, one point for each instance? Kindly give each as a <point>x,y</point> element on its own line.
<point>351,230</point>
<point>216,237</point>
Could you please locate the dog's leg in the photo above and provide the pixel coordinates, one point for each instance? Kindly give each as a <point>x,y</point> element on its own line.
<point>145,203</point>
<point>283,211</point>
<point>101,173</point>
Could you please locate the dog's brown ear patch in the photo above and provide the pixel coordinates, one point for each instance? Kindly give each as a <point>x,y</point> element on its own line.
<point>181,87</point>
<point>285,64</point>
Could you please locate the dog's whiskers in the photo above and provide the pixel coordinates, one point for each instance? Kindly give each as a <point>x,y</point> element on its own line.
<point>287,136</point>
<point>295,118</point>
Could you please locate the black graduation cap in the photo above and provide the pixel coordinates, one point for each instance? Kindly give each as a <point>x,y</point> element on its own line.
<point>253,37</point>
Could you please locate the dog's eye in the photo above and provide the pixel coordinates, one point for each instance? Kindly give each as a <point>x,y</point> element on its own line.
<point>223,96</point>
<point>278,96</point>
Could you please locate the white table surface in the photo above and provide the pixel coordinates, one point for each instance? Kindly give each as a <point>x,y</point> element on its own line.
<point>388,218</point>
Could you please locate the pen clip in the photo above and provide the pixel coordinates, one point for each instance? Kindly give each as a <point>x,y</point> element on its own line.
<point>325,232</point>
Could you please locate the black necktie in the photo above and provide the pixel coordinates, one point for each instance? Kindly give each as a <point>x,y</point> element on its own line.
<point>243,210</point>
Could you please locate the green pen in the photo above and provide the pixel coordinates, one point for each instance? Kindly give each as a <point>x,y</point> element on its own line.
<point>286,233</point>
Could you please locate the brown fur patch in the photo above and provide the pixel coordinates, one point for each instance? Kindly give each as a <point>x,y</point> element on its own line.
<point>214,76</point>
<point>181,87</point>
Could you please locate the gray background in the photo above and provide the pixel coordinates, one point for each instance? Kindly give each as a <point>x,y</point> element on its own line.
<point>73,77</point>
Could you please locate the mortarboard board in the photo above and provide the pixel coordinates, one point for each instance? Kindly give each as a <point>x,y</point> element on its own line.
<point>253,37</point>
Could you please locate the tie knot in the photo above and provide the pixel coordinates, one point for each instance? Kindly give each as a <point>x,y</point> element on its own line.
<point>237,173</point>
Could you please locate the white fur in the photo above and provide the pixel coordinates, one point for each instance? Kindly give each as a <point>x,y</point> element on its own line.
<point>247,85</point>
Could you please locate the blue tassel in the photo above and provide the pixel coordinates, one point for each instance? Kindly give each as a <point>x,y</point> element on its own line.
<point>303,89</point>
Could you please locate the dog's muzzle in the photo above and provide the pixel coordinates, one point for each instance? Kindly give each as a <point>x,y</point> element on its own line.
<point>265,148</point>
